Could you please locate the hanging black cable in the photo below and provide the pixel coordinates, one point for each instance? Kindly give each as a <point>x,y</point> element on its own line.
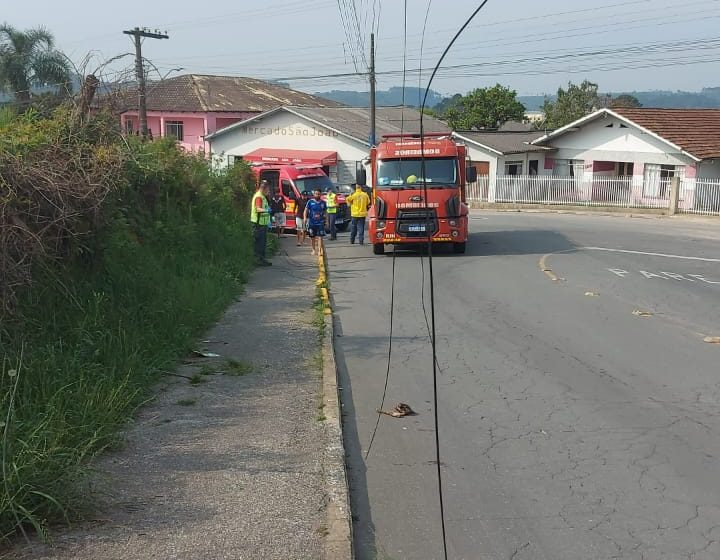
<point>432,280</point>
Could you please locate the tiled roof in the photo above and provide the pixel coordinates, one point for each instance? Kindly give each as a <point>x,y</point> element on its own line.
<point>355,121</point>
<point>201,93</point>
<point>696,131</point>
<point>505,142</point>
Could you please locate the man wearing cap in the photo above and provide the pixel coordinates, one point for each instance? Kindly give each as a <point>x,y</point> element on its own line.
<point>260,220</point>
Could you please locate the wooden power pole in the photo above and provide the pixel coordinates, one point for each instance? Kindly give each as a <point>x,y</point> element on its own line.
<point>138,35</point>
<point>372,90</point>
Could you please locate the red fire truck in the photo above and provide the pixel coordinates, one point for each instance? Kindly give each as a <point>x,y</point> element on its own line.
<point>399,179</point>
<point>294,180</point>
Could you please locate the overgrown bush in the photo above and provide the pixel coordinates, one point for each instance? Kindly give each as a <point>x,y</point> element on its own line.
<point>137,251</point>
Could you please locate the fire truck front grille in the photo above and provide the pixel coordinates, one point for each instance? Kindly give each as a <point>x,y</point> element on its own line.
<point>417,223</point>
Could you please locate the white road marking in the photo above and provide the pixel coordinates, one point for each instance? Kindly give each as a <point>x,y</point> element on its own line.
<point>676,276</point>
<point>647,274</point>
<point>705,259</point>
<point>703,279</point>
<point>619,271</point>
<point>663,275</point>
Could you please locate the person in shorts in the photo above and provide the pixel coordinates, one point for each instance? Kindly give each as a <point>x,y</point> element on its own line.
<point>277,206</point>
<point>300,219</point>
<point>315,216</point>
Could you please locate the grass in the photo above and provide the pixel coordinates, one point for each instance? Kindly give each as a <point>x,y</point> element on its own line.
<point>186,402</point>
<point>89,339</point>
<point>197,379</point>
<point>237,368</point>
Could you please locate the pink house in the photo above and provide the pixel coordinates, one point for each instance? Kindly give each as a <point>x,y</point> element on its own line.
<point>192,106</point>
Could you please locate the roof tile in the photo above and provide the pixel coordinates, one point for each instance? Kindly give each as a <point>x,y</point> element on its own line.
<point>200,94</point>
<point>696,131</point>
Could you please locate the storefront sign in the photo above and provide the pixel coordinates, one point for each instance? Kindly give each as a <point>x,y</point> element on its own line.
<point>289,131</point>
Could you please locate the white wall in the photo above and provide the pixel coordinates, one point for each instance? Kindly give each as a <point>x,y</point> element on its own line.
<point>477,154</point>
<point>287,130</point>
<point>497,163</point>
<point>597,141</point>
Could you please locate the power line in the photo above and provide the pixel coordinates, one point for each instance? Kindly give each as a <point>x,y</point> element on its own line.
<point>433,339</point>
<point>299,53</point>
<point>392,283</point>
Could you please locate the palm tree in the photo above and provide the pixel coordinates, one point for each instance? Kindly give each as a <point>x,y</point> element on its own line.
<point>27,59</point>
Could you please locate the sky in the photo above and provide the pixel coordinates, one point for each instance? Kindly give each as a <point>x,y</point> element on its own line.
<point>320,45</point>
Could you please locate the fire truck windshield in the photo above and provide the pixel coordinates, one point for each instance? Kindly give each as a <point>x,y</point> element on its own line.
<point>408,173</point>
<point>309,184</point>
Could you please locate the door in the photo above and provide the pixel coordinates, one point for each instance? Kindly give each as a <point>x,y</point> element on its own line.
<point>272,176</point>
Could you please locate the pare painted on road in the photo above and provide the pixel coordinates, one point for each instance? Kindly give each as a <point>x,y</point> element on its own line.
<point>663,275</point>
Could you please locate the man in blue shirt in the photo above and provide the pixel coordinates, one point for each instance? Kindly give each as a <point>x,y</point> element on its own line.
<point>315,212</point>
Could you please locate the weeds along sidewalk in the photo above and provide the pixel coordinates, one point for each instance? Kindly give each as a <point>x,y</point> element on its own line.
<point>227,461</point>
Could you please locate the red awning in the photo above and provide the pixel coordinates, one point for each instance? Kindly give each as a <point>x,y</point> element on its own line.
<point>282,156</point>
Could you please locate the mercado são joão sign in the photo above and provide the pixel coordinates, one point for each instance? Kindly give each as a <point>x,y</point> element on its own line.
<point>307,131</point>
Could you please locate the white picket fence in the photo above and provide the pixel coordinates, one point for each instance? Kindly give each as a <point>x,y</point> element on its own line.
<point>696,195</point>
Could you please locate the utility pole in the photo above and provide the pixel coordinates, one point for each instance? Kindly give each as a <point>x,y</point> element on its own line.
<point>372,89</point>
<point>138,34</point>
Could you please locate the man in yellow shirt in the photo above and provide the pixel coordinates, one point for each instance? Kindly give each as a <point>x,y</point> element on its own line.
<point>359,203</point>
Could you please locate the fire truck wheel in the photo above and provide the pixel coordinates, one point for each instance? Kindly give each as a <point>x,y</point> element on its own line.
<point>459,247</point>
<point>378,248</point>
<point>343,226</point>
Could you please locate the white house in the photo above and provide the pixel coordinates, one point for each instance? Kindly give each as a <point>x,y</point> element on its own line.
<point>335,137</point>
<point>650,146</point>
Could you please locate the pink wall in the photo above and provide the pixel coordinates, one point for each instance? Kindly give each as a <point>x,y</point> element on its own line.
<point>223,122</point>
<point>195,125</point>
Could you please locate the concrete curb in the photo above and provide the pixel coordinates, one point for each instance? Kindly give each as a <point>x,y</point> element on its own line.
<point>572,209</point>
<point>338,543</point>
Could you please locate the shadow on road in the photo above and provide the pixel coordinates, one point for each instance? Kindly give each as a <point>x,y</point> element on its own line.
<point>363,526</point>
<point>517,242</point>
<point>489,243</point>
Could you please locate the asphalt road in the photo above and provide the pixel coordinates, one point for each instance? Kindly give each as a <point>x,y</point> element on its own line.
<point>570,426</point>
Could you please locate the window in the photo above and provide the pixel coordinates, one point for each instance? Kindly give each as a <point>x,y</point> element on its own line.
<point>174,129</point>
<point>625,169</point>
<point>569,168</point>
<point>408,173</point>
<point>533,167</point>
<point>287,189</point>
<point>513,168</point>
<point>656,182</point>
<point>129,126</point>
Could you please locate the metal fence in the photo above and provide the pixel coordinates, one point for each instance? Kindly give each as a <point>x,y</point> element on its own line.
<point>700,196</point>
<point>695,195</point>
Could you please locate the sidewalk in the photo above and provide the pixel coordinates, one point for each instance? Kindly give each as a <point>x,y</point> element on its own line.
<point>230,468</point>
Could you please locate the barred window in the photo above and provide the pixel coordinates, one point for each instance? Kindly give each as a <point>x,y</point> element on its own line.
<point>174,129</point>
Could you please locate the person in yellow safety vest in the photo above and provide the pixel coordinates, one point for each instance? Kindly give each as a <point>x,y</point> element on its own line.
<point>260,220</point>
<point>359,203</point>
<point>332,208</point>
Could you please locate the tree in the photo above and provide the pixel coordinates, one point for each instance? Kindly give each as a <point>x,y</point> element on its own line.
<point>485,108</point>
<point>625,101</point>
<point>571,105</point>
<point>29,59</point>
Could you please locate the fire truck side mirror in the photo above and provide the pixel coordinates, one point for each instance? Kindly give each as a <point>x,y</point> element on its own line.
<point>361,177</point>
<point>470,174</point>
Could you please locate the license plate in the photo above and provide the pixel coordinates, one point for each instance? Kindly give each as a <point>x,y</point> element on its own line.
<point>416,227</point>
